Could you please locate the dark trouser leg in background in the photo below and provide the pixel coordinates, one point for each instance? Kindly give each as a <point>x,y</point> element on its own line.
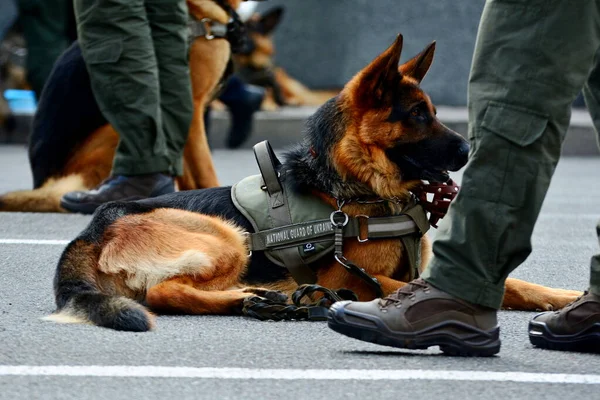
<point>45,27</point>
<point>168,24</point>
<point>137,56</point>
<point>242,100</point>
<point>591,94</point>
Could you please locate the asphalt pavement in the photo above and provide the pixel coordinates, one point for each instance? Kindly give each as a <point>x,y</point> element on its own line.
<point>240,358</point>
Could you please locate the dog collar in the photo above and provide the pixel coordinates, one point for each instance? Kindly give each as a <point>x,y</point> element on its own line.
<point>234,30</point>
<point>206,28</point>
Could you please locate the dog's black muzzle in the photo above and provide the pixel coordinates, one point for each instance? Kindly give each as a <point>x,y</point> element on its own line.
<point>237,36</point>
<point>431,159</point>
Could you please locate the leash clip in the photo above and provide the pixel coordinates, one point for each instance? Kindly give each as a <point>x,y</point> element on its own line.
<point>338,240</point>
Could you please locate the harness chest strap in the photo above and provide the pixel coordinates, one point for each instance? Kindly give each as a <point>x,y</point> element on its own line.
<point>322,230</point>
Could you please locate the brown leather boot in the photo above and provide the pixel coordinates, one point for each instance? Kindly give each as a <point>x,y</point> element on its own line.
<point>575,327</point>
<point>419,316</point>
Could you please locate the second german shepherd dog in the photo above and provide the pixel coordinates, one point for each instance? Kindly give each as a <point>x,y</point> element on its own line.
<point>258,68</point>
<point>72,146</point>
<point>186,253</point>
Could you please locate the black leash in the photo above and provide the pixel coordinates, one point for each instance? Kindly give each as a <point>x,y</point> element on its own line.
<point>263,309</point>
<point>339,220</point>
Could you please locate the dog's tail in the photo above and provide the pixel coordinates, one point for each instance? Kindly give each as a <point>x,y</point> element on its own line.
<point>79,298</point>
<point>43,199</point>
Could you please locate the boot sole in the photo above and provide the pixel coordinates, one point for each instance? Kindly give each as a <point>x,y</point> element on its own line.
<point>587,341</point>
<point>82,208</point>
<point>479,343</point>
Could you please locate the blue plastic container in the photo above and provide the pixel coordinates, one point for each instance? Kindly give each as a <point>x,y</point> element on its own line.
<point>21,101</point>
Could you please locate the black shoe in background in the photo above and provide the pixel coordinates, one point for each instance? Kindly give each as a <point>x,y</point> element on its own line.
<point>243,101</point>
<point>118,188</point>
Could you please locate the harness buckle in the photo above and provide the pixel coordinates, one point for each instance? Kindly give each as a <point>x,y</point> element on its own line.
<point>358,236</point>
<point>207,23</point>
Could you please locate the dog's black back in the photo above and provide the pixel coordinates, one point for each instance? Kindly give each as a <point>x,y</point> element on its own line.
<point>67,113</point>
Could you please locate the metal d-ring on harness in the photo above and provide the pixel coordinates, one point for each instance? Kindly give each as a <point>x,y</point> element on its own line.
<point>283,238</point>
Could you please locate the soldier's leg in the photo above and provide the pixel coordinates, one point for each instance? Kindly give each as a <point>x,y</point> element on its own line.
<point>45,25</point>
<point>591,93</point>
<point>595,269</point>
<point>577,326</point>
<point>116,43</point>
<point>8,15</point>
<point>168,26</point>
<point>531,60</point>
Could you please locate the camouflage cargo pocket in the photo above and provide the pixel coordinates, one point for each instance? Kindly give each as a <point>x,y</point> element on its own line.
<point>508,154</point>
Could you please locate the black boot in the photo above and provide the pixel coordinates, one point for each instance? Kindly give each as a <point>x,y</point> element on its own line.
<point>118,188</point>
<point>243,101</point>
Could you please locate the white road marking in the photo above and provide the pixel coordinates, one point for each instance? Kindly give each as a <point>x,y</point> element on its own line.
<point>35,241</point>
<point>121,371</point>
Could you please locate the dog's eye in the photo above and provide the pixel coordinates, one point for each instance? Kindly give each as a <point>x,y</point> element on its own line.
<point>416,112</point>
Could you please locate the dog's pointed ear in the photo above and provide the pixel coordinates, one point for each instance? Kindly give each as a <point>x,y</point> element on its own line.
<point>377,82</point>
<point>418,66</point>
<point>269,21</point>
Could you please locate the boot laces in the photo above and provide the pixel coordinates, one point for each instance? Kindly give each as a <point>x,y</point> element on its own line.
<point>406,291</point>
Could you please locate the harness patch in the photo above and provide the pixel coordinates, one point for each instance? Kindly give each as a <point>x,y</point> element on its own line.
<point>296,233</point>
<point>309,247</point>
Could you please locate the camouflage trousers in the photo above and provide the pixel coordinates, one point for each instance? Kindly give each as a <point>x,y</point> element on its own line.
<point>532,58</point>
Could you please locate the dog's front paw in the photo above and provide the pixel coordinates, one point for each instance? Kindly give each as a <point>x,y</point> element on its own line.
<point>555,299</point>
<point>273,295</point>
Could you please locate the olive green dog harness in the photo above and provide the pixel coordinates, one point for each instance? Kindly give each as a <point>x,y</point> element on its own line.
<point>295,230</point>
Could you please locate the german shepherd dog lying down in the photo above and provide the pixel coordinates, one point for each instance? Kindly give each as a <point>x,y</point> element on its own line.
<point>187,252</point>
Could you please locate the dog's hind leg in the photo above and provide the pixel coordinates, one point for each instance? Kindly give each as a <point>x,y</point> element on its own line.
<point>208,60</point>
<point>526,296</point>
<point>88,165</point>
